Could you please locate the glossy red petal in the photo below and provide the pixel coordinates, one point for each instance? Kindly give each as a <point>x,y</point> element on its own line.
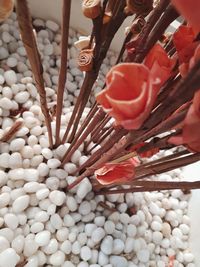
<point>116,172</point>
<point>189,9</point>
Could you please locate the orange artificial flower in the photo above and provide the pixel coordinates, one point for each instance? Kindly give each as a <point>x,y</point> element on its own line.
<point>117,172</point>
<point>132,88</point>
<point>130,94</point>
<point>189,9</point>
<point>190,136</point>
<point>184,41</point>
<point>159,64</point>
<point>171,261</point>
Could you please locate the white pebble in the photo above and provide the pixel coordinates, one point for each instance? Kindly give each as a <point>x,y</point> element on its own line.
<point>143,255</point>
<point>9,258</point>
<point>10,77</point>
<point>21,203</point>
<point>52,25</point>
<point>42,238</point>
<point>53,163</point>
<point>57,197</point>
<point>57,259</point>
<point>107,245</point>
<point>98,234</point>
<point>11,221</point>
<point>84,188</point>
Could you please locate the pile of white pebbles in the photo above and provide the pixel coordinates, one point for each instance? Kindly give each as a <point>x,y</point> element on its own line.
<point>43,226</point>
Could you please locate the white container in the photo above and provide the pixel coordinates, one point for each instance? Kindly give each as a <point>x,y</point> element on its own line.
<point>52,9</point>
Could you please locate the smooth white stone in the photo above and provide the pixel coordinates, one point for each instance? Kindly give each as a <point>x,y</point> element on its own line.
<point>6,103</point>
<point>4,244</point>
<point>43,169</point>
<point>109,227</point>
<point>47,153</point>
<point>18,244</point>
<point>11,221</point>
<point>15,160</point>
<point>4,159</point>
<point>41,216</point>
<point>188,257</point>
<point>7,233</point>
<point>3,178</point>
<point>42,193</point>
<point>56,221</point>
<point>11,62</point>
<point>143,255</point>
<point>17,144</point>
<point>71,203</point>
<point>76,157</point>
<point>97,235</point>
<point>68,264</point>
<point>118,246</point>
<point>76,248</point>
<point>66,247</point>
<point>27,152</point>
<point>10,77</point>
<point>30,247</point>
<point>84,208</point>
<point>131,230</point>
<point>102,259</point>
<point>129,245</point>
<point>42,238</point>
<point>57,259</point>
<point>31,187</point>
<point>68,220</point>
<point>84,188</point>
<point>37,227</point>
<point>156,226</point>
<point>57,197</point>
<point>52,25</point>
<point>21,203</point>
<point>9,258</point>
<point>16,174</point>
<point>118,261</point>
<point>70,168</point>
<point>51,247</point>
<point>107,245</point>
<point>31,175</point>
<point>53,163</point>
<point>4,199</point>
<point>157,237</point>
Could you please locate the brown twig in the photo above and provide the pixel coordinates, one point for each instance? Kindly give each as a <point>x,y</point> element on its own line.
<point>63,69</point>
<point>28,38</point>
<point>12,131</point>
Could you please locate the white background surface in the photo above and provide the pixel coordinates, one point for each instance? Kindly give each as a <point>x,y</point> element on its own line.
<point>52,9</point>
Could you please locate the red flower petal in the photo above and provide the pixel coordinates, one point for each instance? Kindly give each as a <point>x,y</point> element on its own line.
<point>159,64</point>
<point>116,172</point>
<point>190,10</point>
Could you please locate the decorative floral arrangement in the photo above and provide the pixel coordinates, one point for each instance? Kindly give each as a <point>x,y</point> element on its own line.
<point>151,97</point>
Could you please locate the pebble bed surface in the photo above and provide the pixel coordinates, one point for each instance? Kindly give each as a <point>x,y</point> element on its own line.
<point>145,230</point>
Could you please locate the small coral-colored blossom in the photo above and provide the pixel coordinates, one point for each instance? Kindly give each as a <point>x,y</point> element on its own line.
<point>146,154</point>
<point>189,9</point>
<point>117,172</point>
<point>190,136</point>
<point>184,41</point>
<point>159,63</point>
<point>132,88</point>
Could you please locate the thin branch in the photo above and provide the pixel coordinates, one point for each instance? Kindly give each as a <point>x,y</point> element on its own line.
<point>28,38</point>
<point>63,69</point>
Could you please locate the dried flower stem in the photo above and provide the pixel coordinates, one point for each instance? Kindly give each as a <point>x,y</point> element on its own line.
<point>98,117</point>
<point>91,76</point>
<point>153,18</point>
<point>28,38</point>
<point>166,19</point>
<point>153,186</point>
<point>12,131</point>
<point>63,69</point>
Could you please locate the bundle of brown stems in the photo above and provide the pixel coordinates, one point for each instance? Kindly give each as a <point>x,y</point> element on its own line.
<point>114,141</point>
